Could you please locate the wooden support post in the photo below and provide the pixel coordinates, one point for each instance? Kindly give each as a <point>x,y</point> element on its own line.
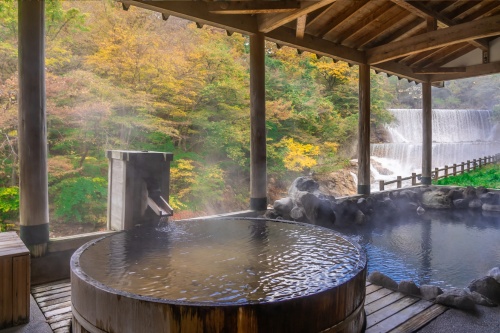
<point>462,168</point>
<point>364,130</point>
<point>32,130</point>
<point>436,174</point>
<point>381,185</point>
<point>398,181</point>
<point>426,133</point>
<point>454,169</point>
<point>474,164</point>
<point>445,171</point>
<point>413,179</point>
<point>480,160</point>
<point>258,169</point>
<point>468,165</point>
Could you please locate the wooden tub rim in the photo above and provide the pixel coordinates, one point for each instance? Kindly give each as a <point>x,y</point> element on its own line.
<point>78,271</point>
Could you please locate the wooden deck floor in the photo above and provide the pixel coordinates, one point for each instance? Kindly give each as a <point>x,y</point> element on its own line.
<point>55,302</point>
<point>386,310</point>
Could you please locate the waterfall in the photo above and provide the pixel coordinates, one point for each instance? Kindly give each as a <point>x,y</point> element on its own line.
<point>457,136</point>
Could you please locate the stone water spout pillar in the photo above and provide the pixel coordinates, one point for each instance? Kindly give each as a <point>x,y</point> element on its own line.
<point>32,130</point>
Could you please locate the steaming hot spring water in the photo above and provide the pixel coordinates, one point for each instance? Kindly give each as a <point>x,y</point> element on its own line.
<point>445,248</point>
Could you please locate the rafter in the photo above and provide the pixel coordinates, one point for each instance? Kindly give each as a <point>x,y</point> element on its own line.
<point>439,70</point>
<point>269,22</point>
<point>339,18</point>
<point>252,7</point>
<point>471,71</point>
<point>422,10</point>
<point>460,33</point>
<point>196,11</point>
<point>448,54</point>
<point>368,37</point>
<point>301,26</point>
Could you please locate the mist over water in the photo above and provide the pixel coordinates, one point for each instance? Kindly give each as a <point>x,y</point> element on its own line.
<point>457,135</point>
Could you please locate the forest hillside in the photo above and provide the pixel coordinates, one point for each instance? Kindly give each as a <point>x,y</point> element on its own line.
<point>129,80</point>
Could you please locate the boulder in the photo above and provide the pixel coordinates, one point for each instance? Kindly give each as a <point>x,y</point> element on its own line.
<point>495,273</point>
<point>488,287</point>
<point>436,200</point>
<point>455,194</point>
<point>457,298</point>
<point>490,207</point>
<point>317,211</point>
<point>490,198</point>
<point>297,214</point>
<point>363,205</point>
<point>283,206</point>
<point>359,217</point>
<point>382,280</point>
<point>469,193</point>
<point>306,184</point>
<point>475,204</point>
<point>430,292</point>
<point>420,210</point>
<point>461,203</point>
<point>481,300</point>
<point>408,287</point>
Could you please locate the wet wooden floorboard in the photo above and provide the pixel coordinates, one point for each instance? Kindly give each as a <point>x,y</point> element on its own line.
<point>386,310</point>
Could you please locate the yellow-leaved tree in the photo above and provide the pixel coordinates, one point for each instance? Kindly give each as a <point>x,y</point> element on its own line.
<point>299,156</point>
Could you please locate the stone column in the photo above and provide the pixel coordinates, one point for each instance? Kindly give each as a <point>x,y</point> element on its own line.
<point>258,168</point>
<point>32,131</point>
<point>364,130</point>
<point>426,133</point>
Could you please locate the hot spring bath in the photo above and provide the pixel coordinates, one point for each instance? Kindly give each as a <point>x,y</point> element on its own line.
<point>222,275</point>
<point>445,248</point>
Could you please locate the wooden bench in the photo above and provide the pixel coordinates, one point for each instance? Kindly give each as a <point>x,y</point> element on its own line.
<point>14,281</point>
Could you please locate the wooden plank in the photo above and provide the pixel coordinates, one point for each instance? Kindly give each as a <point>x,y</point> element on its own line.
<point>45,287</point>
<point>52,292</point>
<point>53,297</point>
<point>301,26</point>
<point>61,317</point>
<point>399,317</point>
<point>485,27</point>
<point>389,311</point>
<point>420,319</point>
<point>21,289</point>
<point>370,289</point>
<point>57,312</point>
<point>55,306</point>
<point>383,302</point>
<point>5,292</point>
<point>53,301</point>
<point>61,324</point>
<point>63,329</point>
<point>269,22</point>
<point>376,295</point>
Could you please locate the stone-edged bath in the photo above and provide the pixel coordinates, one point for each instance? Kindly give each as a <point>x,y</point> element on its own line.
<point>433,235</point>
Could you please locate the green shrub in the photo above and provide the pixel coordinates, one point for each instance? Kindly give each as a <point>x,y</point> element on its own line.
<point>9,206</point>
<point>81,199</point>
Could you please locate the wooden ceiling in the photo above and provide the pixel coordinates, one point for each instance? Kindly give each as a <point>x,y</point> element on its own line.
<point>423,41</point>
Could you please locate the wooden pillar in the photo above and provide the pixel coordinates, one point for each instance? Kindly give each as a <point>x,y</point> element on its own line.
<point>364,130</point>
<point>32,131</point>
<point>426,133</point>
<point>258,168</point>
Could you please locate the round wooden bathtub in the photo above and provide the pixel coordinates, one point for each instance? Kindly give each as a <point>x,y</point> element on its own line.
<point>220,275</point>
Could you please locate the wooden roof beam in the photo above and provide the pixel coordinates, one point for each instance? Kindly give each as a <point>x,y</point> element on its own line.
<point>301,26</point>
<point>464,32</point>
<point>471,71</point>
<point>269,22</point>
<point>340,17</point>
<point>196,11</point>
<point>422,10</point>
<point>439,70</point>
<point>288,37</point>
<point>252,7</point>
<point>367,38</point>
